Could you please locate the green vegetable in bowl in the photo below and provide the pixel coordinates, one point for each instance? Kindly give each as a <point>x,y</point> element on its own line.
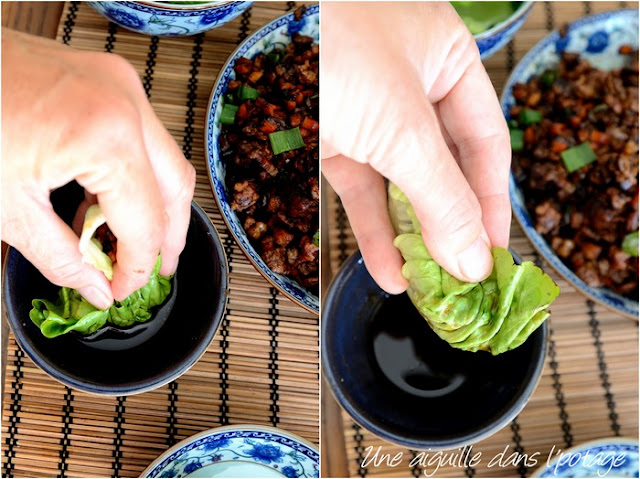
<point>71,312</point>
<point>495,315</point>
<point>630,244</point>
<point>578,156</point>
<point>481,16</point>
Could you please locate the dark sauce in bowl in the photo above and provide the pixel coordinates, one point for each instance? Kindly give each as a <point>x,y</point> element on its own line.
<point>410,355</point>
<point>392,373</point>
<point>113,338</point>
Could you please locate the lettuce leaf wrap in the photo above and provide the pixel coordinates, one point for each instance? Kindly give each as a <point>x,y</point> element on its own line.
<point>495,315</point>
<point>71,312</point>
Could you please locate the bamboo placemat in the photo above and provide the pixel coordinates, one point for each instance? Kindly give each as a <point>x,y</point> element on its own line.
<point>589,389</point>
<point>262,367</point>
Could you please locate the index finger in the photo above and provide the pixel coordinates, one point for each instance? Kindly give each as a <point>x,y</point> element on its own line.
<point>472,116</point>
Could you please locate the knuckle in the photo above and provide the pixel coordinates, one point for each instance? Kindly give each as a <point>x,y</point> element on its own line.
<point>462,221</point>
<point>188,182</point>
<point>64,273</point>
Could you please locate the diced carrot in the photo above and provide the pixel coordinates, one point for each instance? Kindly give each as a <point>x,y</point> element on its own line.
<point>295,119</point>
<point>625,50</point>
<point>534,98</point>
<point>558,146</point>
<point>243,67</point>
<point>310,124</point>
<point>557,129</point>
<point>575,121</point>
<point>270,109</point>
<point>291,105</point>
<point>242,112</point>
<point>583,135</point>
<point>255,76</point>
<point>268,127</point>
<point>299,98</point>
<point>286,86</point>
<point>599,137</point>
<point>304,132</point>
<point>529,135</point>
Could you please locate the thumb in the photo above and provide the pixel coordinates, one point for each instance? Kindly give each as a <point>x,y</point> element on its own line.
<point>52,247</point>
<point>416,158</point>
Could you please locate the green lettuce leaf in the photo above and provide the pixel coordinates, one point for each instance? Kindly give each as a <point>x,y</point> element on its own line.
<point>90,247</point>
<point>71,312</point>
<point>495,315</point>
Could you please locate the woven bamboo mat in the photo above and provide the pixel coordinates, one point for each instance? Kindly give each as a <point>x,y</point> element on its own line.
<point>589,389</point>
<point>262,367</point>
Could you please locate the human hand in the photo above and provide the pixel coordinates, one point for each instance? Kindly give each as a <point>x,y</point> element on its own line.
<point>406,97</point>
<point>84,116</point>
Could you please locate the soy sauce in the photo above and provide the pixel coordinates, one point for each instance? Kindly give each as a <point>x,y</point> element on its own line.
<point>113,338</point>
<point>410,356</point>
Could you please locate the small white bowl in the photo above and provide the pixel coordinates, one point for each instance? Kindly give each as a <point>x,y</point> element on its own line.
<point>239,451</point>
<point>170,19</point>
<point>611,457</point>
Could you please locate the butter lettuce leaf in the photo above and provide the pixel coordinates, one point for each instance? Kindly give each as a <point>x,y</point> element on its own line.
<point>495,315</point>
<point>71,312</point>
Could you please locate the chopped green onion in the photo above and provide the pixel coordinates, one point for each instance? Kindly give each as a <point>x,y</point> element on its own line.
<point>286,140</point>
<point>228,98</point>
<point>228,115</point>
<point>528,116</point>
<point>600,107</point>
<point>513,123</point>
<point>548,77</point>
<point>517,139</point>
<point>245,92</point>
<point>578,156</point>
<point>316,239</point>
<point>630,244</point>
<point>274,57</point>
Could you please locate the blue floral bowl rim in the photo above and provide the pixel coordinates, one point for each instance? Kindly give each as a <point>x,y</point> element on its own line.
<point>222,429</point>
<point>314,9</point>
<point>521,11</point>
<point>607,441</point>
<point>335,384</point>
<point>132,390</point>
<point>603,296</point>
<point>209,5</point>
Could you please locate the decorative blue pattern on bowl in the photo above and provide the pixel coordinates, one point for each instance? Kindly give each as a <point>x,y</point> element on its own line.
<point>604,458</point>
<point>596,38</point>
<point>496,37</point>
<point>256,450</point>
<point>275,34</point>
<point>169,19</point>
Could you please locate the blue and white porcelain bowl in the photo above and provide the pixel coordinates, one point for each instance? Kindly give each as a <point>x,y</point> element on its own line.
<point>170,19</point>
<point>274,34</point>
<point>596,38</point>
<point>492,40</point>
<point>614,457</point>
<point>239,451</point>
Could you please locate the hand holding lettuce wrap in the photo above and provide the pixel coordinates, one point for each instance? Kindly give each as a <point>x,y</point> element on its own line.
<point>496,315</point>
<point>72,312</point>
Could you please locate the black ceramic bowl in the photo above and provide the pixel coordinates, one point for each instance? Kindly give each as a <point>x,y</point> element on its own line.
<point>187,322</point>
<point>395,377</point>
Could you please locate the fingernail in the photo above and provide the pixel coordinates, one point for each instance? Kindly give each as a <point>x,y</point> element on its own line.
<point>475,261</point>
<point>96,297</point>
